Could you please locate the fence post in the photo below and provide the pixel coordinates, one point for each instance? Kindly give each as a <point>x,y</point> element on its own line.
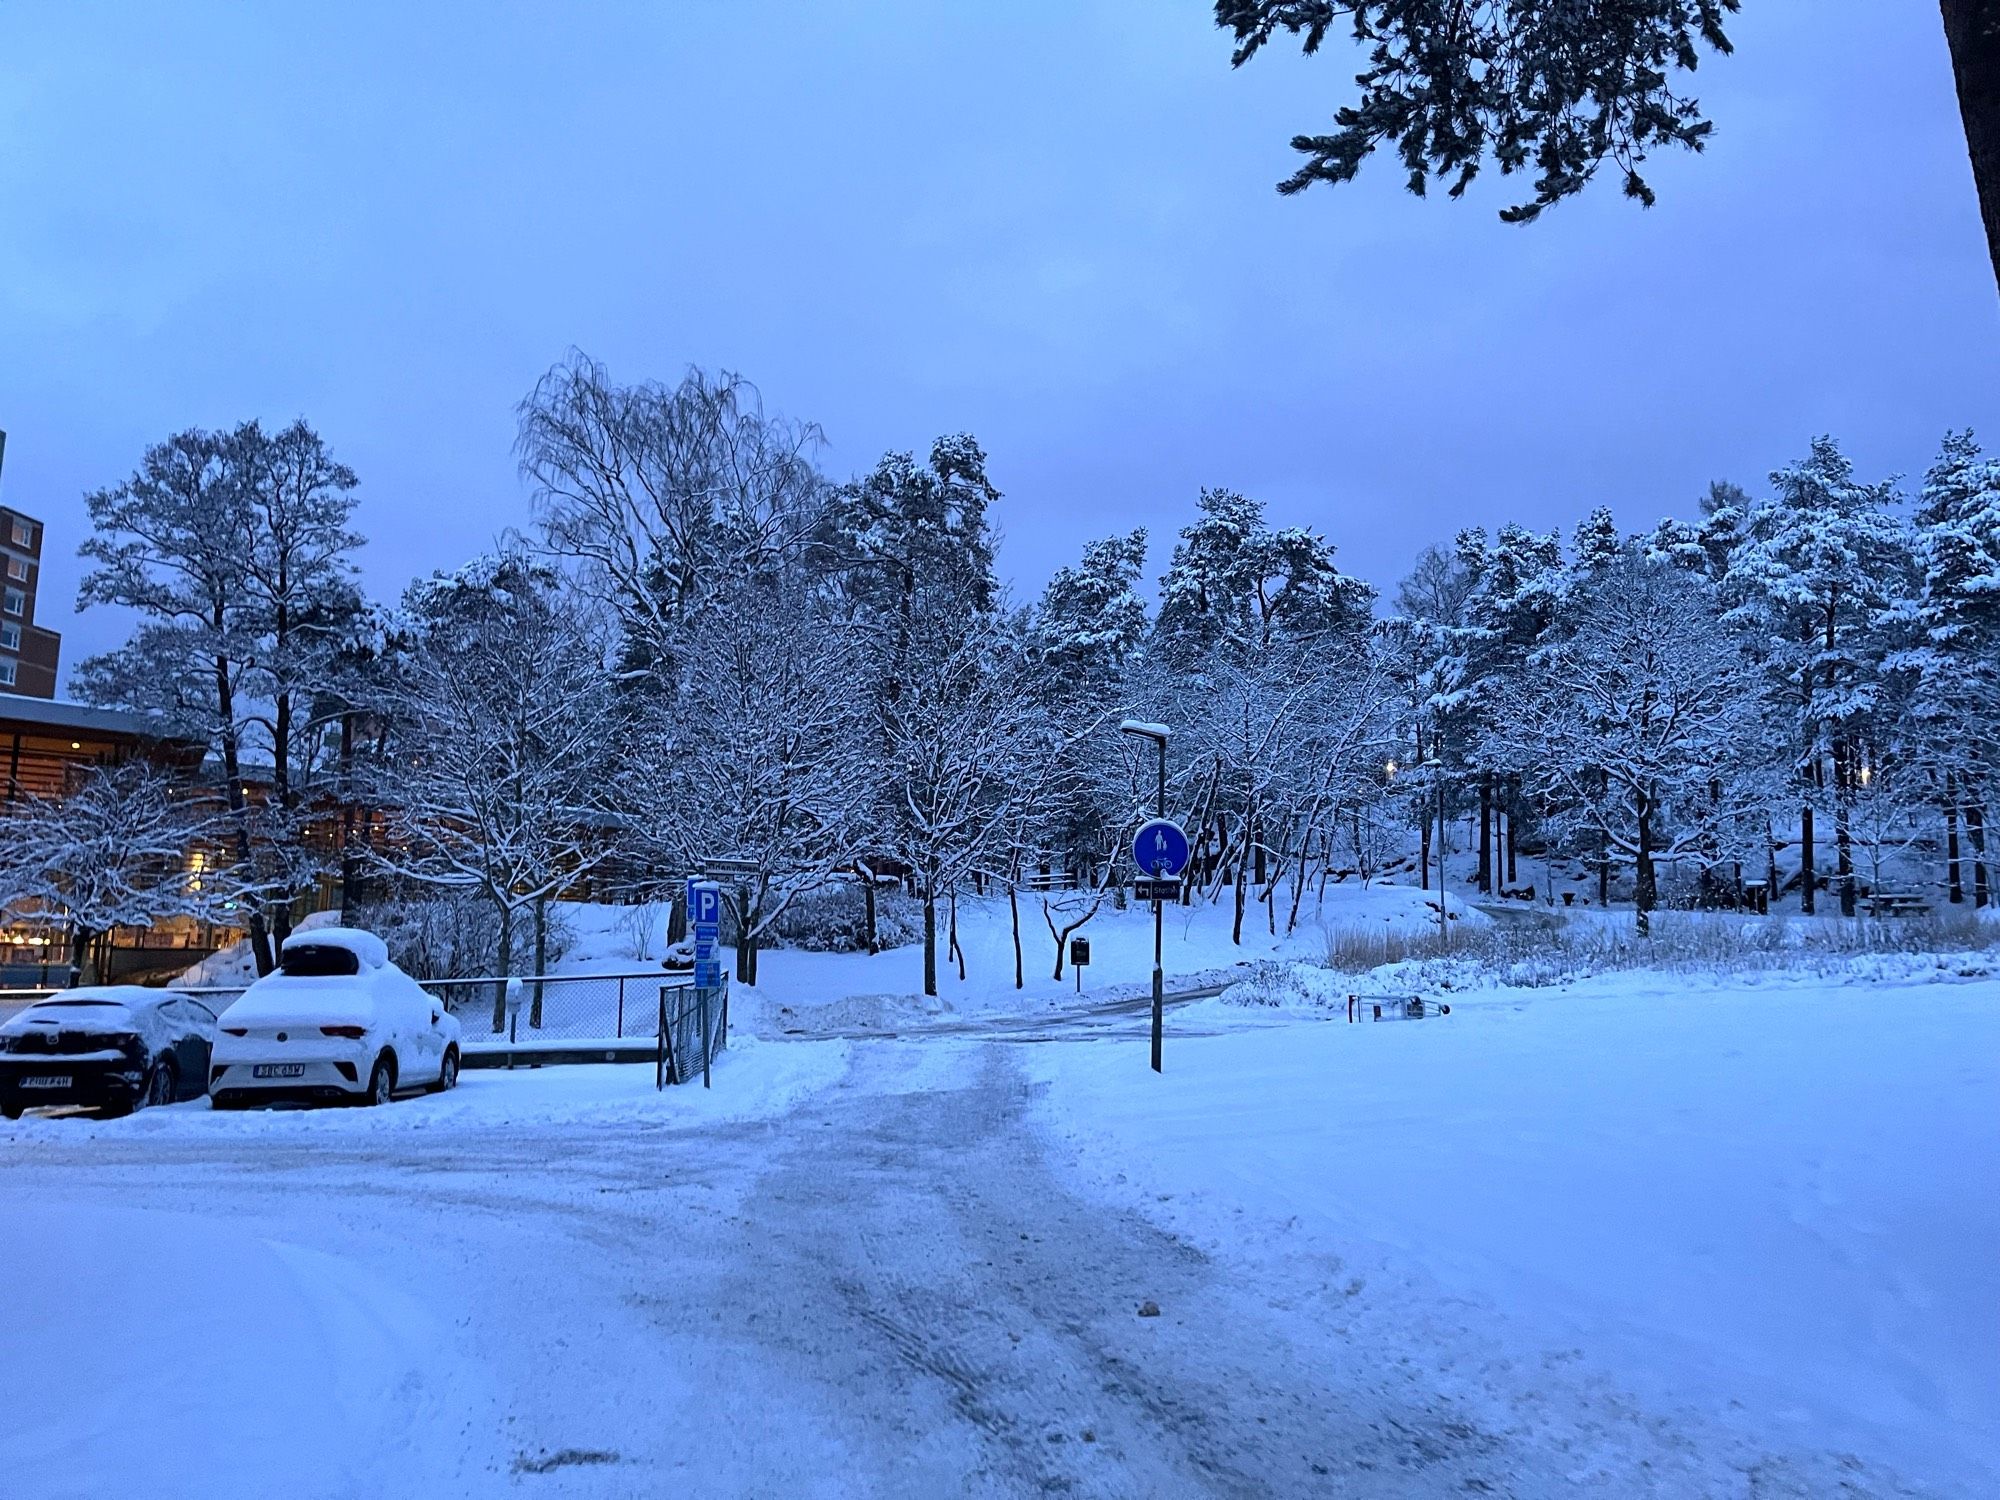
<point>660,1062</point>
<point>707,1042</point>
<point>621,1006</point>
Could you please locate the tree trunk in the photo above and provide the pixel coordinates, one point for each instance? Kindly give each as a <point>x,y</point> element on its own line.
<point>1806,877</point>
<point>1242,870</point>
<point>1972,28</point>
<point>506,968</point>
<point>1975,832</point>
<point>677,916</point>
<point>930,936</point>
<point>1645,890</point>
<point>1424,862</point>
<point>1014,911</point>
<point>350,860</point>
<point>1843,818</point>
<point>1485,876</point>
<point>1513,801</point>
<point>1954,884</point>
<point>541,956</point>
<point>955,951</point>
<point>869,933</point>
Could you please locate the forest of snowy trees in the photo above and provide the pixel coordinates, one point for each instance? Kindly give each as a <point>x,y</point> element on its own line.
<point>707,648</point>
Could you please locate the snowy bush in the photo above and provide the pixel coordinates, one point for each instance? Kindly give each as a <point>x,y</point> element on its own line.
<point>642,929</point>
<point>834,919</point>
<point>1549,950</point>
<point>454,934</point>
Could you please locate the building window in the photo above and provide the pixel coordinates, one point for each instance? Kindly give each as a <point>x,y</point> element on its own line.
<point>6,672</point>
<point>16,603</point>
<point>10,638</point>
<point>17,570</point>
<point>24,534</point>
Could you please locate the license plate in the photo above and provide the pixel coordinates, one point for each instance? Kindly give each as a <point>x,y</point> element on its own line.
<point>46,1081</point>
<point>278,1070</point>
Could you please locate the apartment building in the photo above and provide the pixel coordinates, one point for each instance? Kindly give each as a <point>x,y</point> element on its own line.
<point>29,655</point>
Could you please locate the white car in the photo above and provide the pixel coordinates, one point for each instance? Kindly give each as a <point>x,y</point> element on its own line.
<point>336,1021</point>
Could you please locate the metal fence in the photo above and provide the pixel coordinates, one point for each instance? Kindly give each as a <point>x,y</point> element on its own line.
<point>693,1028</point>
<point>557,1007</point>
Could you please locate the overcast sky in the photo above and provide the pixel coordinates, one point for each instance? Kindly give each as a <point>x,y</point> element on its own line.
<point>1047,222</point>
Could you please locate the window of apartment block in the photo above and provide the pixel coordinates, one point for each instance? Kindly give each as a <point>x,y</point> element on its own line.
<point>10,638</point>
<point>24,534</point>
<point>17,602</point>
<point>17,570</point>
<point>6,672</point>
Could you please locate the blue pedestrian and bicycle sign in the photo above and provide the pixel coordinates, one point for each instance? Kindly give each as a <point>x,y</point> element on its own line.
<point>1160,848</point>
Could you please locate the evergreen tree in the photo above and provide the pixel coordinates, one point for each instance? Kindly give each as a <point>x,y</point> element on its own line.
<point>1819,564</point>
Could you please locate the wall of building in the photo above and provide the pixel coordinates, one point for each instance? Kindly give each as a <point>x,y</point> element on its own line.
<point>29,655</point>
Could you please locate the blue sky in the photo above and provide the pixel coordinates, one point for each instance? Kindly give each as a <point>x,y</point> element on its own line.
<point>1050,224</point>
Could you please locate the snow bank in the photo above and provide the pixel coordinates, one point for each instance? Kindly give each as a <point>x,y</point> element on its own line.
<point>752,1081</point>
<point>1771,1204</point>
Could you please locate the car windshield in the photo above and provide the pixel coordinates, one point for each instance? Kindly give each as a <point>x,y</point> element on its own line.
<point>319,961</point>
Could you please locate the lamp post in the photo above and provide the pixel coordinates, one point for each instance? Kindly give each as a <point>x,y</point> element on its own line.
<point>1436,767</point>
<point>1157,733</point>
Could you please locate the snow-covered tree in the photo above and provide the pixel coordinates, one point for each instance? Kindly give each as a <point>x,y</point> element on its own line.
<point>1819,565</point>
<point>1949,651</point>
<point>1628,728</point>
<point>666,495</point>
<point>234,550</point>
<point>502,727</point>
<point>114,852</point>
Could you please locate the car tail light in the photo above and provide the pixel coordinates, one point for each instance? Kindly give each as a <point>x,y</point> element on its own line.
<point>352,1033</point>
<point>237,1030</point>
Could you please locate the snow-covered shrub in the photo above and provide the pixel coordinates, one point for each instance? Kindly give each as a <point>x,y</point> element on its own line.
<point>456,935</point>
<point>642,929</point>
<point>1544,948</point>
<point>834,919</point>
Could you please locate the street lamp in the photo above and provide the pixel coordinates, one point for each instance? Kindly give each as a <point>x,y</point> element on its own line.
<point>1157,733</point>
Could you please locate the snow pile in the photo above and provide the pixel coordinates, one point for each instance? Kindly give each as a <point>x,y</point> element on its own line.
<point>752,1081</point>
<point>1769,1210</point>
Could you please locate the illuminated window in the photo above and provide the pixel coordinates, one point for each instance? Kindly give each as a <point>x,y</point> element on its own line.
<point>24,534</point>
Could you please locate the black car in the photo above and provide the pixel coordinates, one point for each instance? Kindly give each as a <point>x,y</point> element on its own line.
<point>117,1049</point>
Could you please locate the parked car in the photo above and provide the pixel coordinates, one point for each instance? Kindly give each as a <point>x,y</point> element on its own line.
<point>116,1048</point>
<point>335,1021</point>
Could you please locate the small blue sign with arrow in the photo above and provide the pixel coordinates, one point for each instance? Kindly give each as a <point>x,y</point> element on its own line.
<point>1160,848</point>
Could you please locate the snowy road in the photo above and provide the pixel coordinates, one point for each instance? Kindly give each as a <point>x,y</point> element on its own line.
<point>893,1289</point>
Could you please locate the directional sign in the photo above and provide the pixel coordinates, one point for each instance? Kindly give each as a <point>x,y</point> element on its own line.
<point>724,869</point>
<point>1156,890</point>
<point>1160,848</point>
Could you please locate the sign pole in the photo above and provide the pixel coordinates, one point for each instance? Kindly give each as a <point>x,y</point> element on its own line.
<point>1159,849</point>
<point>1159,973</point>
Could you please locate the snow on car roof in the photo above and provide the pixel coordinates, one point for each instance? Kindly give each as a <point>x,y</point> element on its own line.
<point>365,946</point>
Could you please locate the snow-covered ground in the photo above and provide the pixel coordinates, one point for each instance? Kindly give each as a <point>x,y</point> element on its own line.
<point>1632,1236</point>
<point>801,992</point>
<point>1767,1211</point>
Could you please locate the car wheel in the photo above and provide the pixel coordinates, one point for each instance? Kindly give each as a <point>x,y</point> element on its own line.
<point>163,1087</point>
<point>448,1074</point>
<point>381,1083</point>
